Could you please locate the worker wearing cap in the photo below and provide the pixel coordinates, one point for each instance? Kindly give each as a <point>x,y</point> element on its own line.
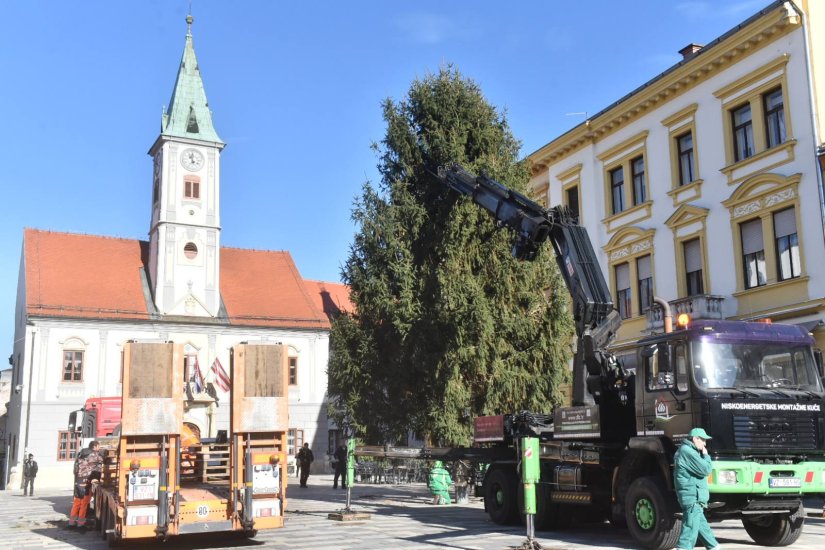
<point>692,466</point>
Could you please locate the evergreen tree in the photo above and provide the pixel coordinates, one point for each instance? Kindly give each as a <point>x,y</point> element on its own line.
<point>447,325</point>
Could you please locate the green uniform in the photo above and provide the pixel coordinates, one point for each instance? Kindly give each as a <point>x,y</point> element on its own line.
<point>439,483</point>
<point>691,471</point>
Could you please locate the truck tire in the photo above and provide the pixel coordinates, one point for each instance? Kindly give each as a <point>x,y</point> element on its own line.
<point>650,514</point>
<point>775,529</point>
<point>501,496</point>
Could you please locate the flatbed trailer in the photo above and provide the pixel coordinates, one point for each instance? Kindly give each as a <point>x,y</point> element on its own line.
<point>153,487</point>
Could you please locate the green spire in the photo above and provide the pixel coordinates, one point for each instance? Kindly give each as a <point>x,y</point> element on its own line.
<point>188,114</point>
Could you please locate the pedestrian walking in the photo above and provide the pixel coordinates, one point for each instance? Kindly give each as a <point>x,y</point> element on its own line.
<point>87,466</point>
<point>305,459</point>
<point>340,466</point>
<point>439,482</point>
<point>29,473</point>
<point>692,466</point>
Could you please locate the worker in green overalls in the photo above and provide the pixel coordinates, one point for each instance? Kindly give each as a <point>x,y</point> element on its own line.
<point>692,467</point>
<point>439,483</point>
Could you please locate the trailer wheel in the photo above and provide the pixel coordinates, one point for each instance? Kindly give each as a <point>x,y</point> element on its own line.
<point>500,496</point>
<point>775,529</point>
<point>110,533</point>
<point>650,514</point>
<point>103,525</point>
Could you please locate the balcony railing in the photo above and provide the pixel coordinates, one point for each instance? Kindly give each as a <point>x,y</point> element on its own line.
<point>701,306</point>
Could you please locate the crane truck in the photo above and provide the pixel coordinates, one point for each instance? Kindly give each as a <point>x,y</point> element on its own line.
<point>147,489</point>
<point>755,387</point>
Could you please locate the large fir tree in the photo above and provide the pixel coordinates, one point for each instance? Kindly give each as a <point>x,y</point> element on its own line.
<point>447,325</point>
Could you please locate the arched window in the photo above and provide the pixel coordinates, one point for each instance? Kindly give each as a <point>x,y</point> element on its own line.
<point>73,361</point>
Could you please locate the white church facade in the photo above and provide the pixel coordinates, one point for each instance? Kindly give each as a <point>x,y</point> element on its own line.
<point>81,297</point>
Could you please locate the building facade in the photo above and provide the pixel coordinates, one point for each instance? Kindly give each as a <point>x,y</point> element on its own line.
<point>81,297</point>
<point>704,185</point>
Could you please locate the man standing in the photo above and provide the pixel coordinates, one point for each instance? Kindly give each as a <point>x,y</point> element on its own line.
<point>88,465</point>
<point>29,473</point>
<point>692,465</point>
<point>340,467</point>
<point>305,458</point>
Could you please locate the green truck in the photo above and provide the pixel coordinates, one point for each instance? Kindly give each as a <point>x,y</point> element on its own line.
<point>755,387</point>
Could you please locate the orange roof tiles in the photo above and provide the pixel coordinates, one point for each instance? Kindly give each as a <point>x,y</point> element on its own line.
<point>262,287</point>
<point>71,275</point>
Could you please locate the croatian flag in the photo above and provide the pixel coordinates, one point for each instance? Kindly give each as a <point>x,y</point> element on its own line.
<point>198,377</point>
<point>221,378</point>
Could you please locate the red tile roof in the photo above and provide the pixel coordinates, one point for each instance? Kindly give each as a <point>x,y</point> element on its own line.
<point>71,275</point>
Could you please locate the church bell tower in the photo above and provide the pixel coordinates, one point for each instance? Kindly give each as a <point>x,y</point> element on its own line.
<point>184,234</point>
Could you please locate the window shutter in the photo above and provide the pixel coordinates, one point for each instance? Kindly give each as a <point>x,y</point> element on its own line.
<point>784,223</point>
<point>622,277</point>
<point>693,256</point>
<point>643,267</point>
<point>752,237</point>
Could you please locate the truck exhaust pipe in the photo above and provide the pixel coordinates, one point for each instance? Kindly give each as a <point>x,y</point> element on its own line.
<point>667,316</point>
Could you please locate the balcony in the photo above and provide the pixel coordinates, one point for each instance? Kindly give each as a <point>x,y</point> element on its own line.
<point>701,306</point>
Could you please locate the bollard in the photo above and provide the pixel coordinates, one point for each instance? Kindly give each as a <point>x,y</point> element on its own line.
<point>347,514</point>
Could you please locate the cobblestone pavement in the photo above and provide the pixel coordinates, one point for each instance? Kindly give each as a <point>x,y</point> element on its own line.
<point>401,518</point>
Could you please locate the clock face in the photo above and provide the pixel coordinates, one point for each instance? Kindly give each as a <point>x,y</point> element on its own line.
<point>191,159</point>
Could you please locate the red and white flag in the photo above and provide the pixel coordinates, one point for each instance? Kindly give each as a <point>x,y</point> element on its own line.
<point>221,378</point>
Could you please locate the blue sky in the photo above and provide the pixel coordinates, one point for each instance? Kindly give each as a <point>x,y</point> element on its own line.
<point>296,91</point>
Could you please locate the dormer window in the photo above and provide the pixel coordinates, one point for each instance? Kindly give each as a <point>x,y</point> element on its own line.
<point>192,188</point>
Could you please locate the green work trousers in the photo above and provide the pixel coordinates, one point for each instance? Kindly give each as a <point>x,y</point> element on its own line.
<point>694,524</point>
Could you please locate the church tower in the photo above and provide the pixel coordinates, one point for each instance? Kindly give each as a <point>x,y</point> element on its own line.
<point>184,235</point>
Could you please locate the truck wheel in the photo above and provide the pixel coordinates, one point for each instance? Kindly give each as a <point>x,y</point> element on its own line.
<point>500,496</point>
<point>775,529</point>
<point>650,514</point>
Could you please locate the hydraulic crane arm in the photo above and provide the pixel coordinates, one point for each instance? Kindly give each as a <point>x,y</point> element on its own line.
<point>595,319</point>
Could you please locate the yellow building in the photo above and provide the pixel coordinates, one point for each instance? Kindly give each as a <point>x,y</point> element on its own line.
<point>704,185</point>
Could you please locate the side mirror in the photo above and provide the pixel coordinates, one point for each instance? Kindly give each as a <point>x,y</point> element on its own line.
<point>73,421</point>
<point>819,365</point>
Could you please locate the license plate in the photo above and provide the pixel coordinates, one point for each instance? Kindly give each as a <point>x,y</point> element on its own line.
<point>784,482</point>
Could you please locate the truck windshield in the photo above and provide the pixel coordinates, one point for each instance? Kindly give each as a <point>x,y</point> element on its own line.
<point>750,365</point>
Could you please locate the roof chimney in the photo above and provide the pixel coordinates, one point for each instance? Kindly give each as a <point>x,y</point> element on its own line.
<point>689,50</point>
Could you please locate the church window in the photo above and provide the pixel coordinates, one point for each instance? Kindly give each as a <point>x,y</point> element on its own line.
<point>72,366</point>
<point>190,250</point>
<point>191,188</point>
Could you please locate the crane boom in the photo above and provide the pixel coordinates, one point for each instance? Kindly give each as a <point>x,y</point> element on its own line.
<point>595,319</point>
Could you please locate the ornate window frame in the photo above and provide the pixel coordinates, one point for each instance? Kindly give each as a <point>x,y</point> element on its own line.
<point>571,179</point>
<point>621,156</point>
<point>749,90</point>
<point>679,124</point>
<point>627,246</point>
<point>687,223</point>
<point>760,197</point>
